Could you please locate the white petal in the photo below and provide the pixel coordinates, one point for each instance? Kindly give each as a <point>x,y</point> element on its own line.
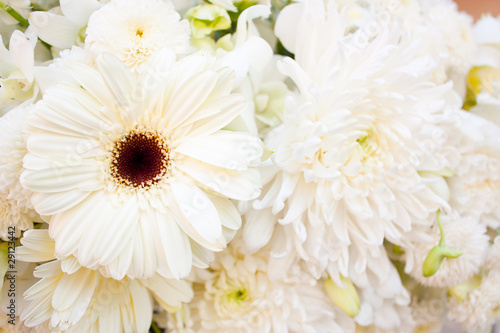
<point>238,185</point>
<point>64,148</point>
<point>122,83</point>
<point>224,149</point>
<point>69,288</point>
<point>169,292</point>
<point>67,228</point>
<point>79,11</point>
<point>92,81</point>
<point>143,306</point>
<point>22,53</point>
<point>229,215</point>
<point>119,230</point>
<point>86,177</point>
<point>258,228</point>
<point>229,108</point>
<point>202,257</point>
<point>188,98</point>
<point>145,237</point>
<point>199,210</point>
<point>176,246</point>
<point>53,29</point>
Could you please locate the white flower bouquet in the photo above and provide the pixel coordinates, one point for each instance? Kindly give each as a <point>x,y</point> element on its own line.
<point>248,166</point>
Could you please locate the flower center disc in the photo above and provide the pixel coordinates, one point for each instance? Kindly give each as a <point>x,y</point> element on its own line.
<point>140,159</point>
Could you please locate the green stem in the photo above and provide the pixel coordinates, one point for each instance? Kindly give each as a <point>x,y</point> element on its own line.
<point>155,328</point>
<point>438,216</point>
<point>12,12</point>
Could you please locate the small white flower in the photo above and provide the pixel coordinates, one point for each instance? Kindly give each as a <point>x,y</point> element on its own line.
<point>464,234</point>
<point>135,30</point>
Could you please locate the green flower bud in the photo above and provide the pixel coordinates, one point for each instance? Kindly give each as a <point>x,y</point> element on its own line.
<point>206,19</point>
<point>438,253</point>
<point>345,298</point>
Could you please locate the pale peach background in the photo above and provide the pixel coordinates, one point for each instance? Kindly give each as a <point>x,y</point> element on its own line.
<point>478,7</point>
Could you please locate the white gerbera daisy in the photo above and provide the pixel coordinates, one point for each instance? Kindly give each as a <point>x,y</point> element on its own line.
<point>76,299</point>
<point>138,173</point>
<point>464,234</point>
<point>135,30</point>
<point>16,209</point>
<point>237,294</point>
<point>348,153</point>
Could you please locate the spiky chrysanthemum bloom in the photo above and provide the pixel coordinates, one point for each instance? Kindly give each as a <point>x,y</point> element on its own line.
<point>135,30</point>
<point>77,299</point>
<point>347,157</point>
<point>480,310</point>
<point>480,307</point>
<point>445,32</point>
<point>475,188</point>
<point>138,174</point>
<point>464,234</point>
<point>237,294</point>
<point>16,209</point>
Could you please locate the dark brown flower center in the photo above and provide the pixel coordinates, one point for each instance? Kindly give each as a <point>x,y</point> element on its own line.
<point>140,159</point>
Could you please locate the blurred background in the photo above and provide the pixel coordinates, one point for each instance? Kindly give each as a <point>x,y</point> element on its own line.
<point>478,7</point>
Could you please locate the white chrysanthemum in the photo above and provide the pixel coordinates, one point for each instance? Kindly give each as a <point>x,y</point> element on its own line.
<point>428,315</point>
<point>348,153</point>
<point>455,42</point>
<point>237,295</point>
<point>76,299</point>
<point>134,31</point>
<point>444,32</point>
<point>14,217</point>
<point>481,308</point>
<point>475,188</point>
<point>16,209</point>
<point>138,173</point>
<point>384,303</point>
<point>464,234</point>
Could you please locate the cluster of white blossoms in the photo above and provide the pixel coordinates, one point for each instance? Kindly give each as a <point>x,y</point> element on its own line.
<point>248,166</point>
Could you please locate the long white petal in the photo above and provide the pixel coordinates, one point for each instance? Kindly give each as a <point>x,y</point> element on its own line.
<point>238,185</point>
<point>224,149</point>
<point>199,210</point>
<point>176,246</point>
<point>53,29</point>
